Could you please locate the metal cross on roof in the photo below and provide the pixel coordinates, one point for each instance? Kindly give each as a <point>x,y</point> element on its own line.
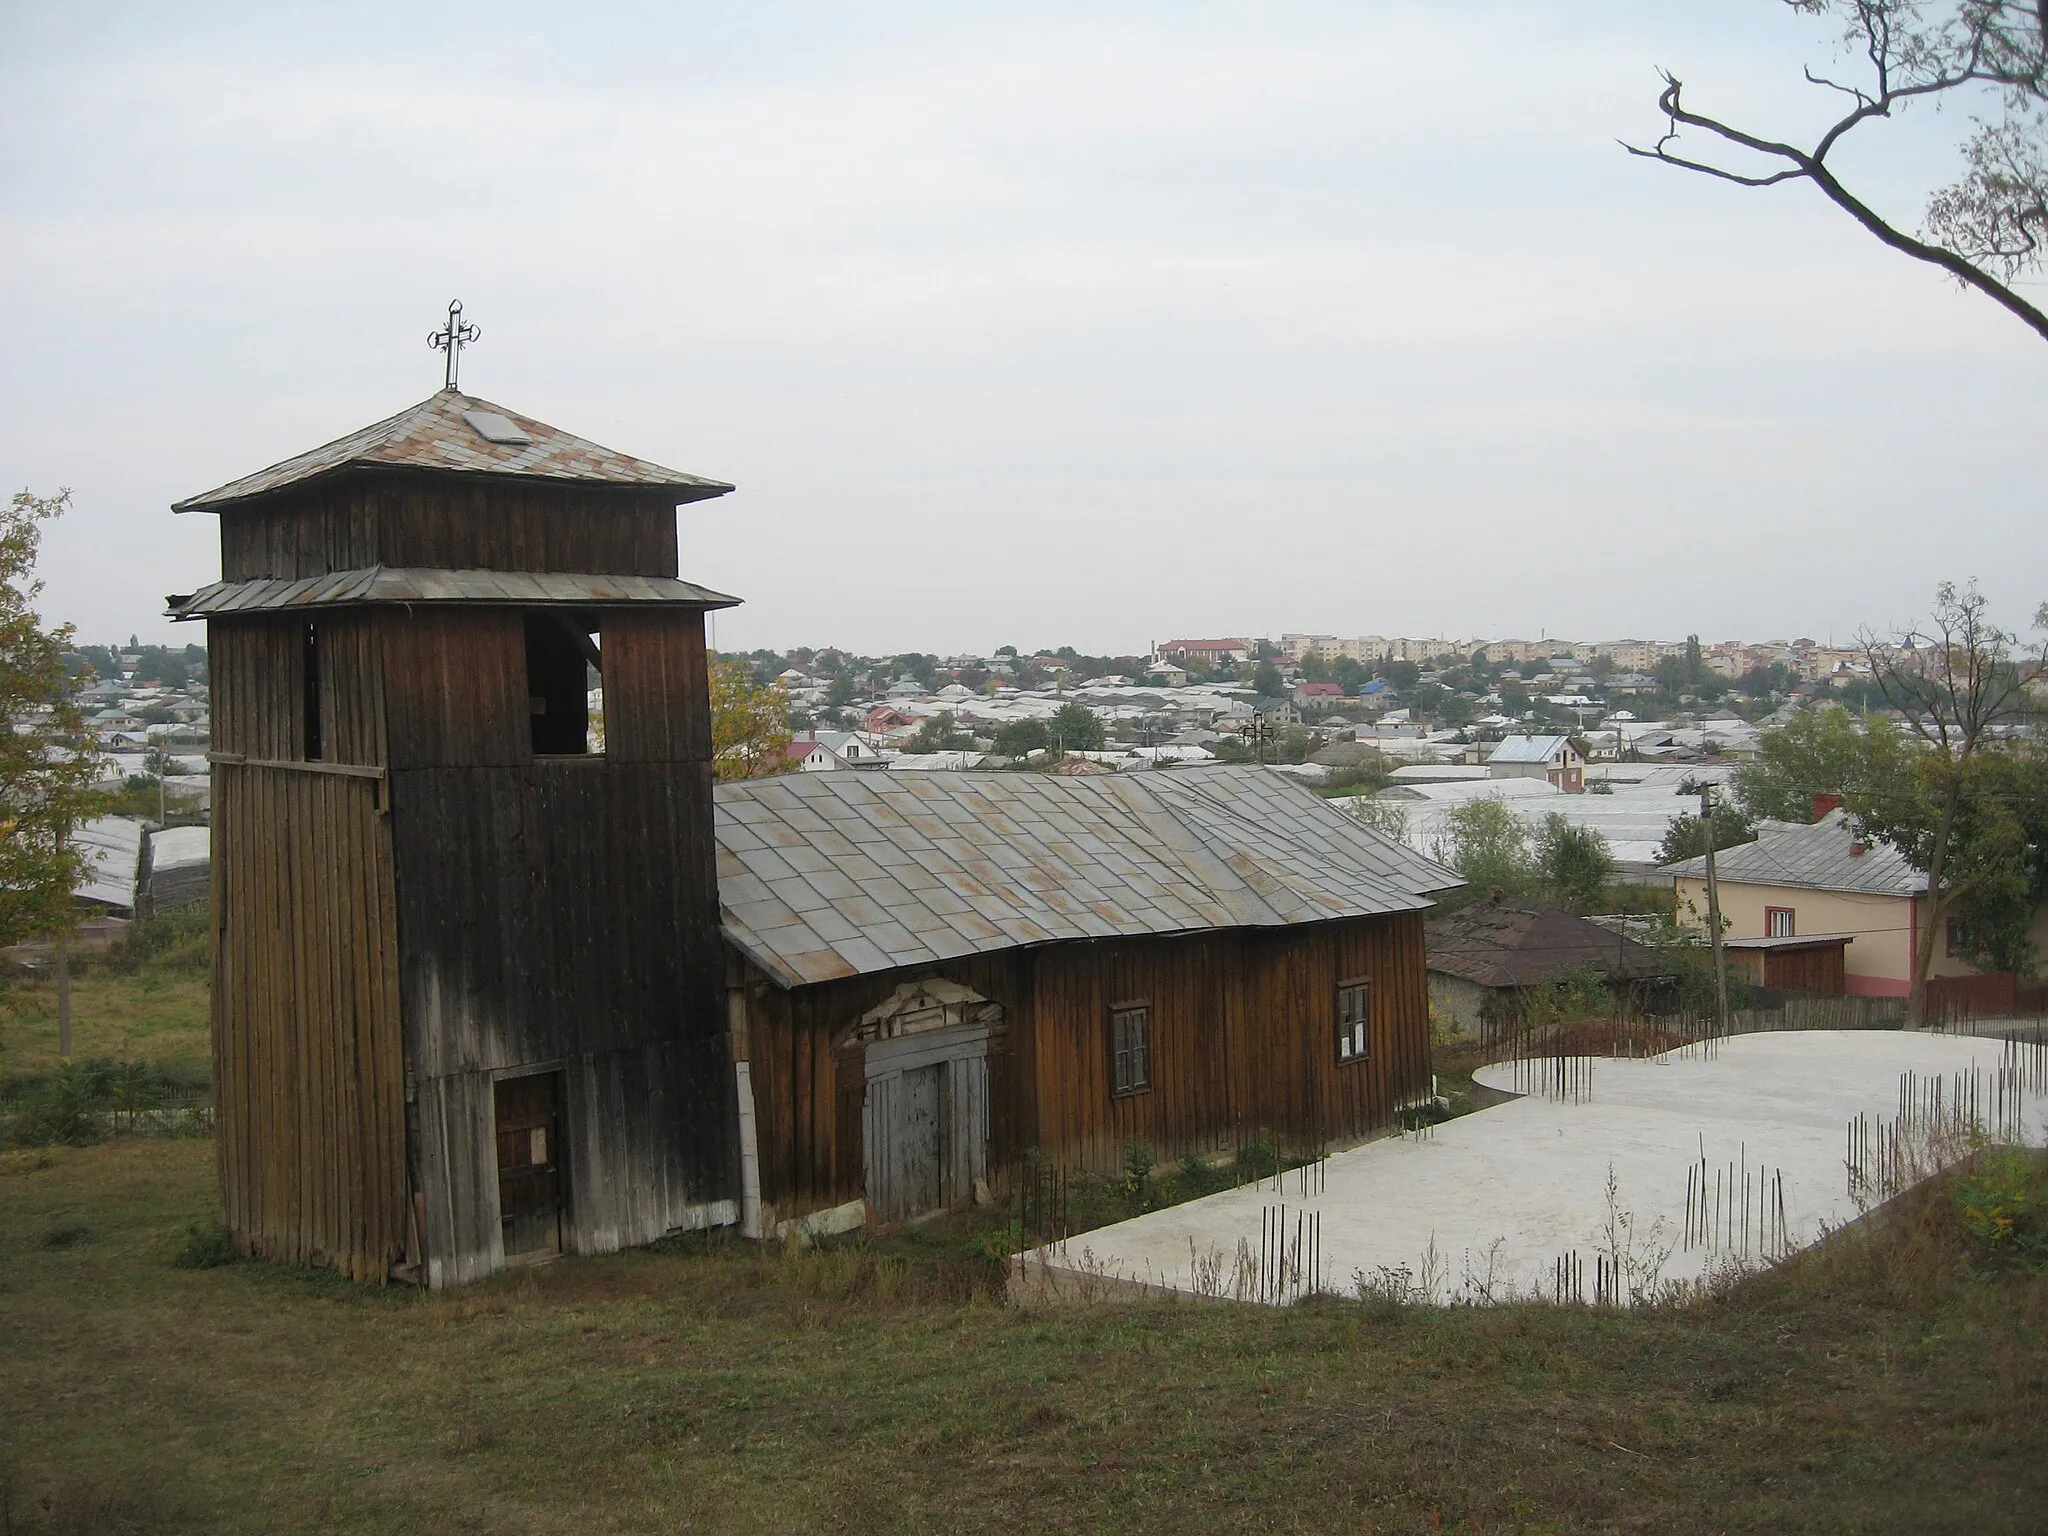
<point>451,339</point>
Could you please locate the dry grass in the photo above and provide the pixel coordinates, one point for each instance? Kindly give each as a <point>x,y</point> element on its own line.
<point>717,1386</point>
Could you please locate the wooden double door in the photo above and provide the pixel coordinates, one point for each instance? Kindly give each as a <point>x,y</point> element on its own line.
<point>925,1121</point>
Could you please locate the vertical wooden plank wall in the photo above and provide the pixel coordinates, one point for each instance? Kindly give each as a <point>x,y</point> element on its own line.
<point>561,914</point>
<point>393,518</point>
<point>308,1054</point>
<point>1243,1044</point>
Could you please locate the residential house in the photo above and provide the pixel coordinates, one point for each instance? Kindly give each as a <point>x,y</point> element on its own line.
<point>1483,957</point>
<point>1827,879</point>
<point>1553,758</point>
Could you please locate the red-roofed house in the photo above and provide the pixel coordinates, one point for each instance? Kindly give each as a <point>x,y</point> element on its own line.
<point>1228,651</point>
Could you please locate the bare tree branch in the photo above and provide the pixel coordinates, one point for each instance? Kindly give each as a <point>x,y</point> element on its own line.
<point>1997,216</point>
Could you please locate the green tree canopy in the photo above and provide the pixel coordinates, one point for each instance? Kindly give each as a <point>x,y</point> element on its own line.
<point>939,733</point>
<point>1824,751</point>
<point>49,760</point>
<point>1077,728</point>
<point>1022,737</point>
<point>1573,863</point>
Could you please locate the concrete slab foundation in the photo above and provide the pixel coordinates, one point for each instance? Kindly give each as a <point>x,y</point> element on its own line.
<point>1736,1153</point>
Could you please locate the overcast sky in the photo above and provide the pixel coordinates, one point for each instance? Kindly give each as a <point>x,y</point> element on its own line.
<point>1029,324</point>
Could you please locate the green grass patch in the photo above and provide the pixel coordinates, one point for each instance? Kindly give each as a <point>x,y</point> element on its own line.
<point>1883,1383</point>
<point>153,1015</point>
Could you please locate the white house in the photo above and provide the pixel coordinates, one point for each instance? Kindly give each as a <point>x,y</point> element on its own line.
<point>1552,758</point>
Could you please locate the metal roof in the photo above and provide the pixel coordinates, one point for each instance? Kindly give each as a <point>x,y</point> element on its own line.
<point>112,846</point>
<point>829,875</point>
<point>411,584</point>
<point>1821,857</point>
<point>437,434</point>
<point>1528,749</point>
<point>1792,944</point>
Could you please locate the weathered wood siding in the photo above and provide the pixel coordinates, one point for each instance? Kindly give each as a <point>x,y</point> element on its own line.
<point>1243,1043</point>
<point>559,912</point>
<point>309,1070</point>
<point>449,522</point>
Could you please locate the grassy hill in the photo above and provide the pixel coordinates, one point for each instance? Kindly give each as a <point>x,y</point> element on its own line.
<point>718,1386</point>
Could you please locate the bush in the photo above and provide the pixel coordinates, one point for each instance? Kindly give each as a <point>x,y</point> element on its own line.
<point>207,1247</point>
<point>179,942</point>
<point>65,1111</point>
<point>2004,1213</point>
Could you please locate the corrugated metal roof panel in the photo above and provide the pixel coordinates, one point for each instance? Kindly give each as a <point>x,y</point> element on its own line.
<point>408,584</point>
<point>1034,858</point>
<point>436,434</point>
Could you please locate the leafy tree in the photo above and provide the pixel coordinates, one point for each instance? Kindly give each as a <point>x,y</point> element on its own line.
<point>1964,822</point>
<point>939,734</point>
<point>49,759</point>
<point>749,722</point>
<point>1401,675</point>
<point>1573,863</point>
<point>1266,681</point>
<point>1823,751</point>
<point>2003,828</point>
<point>1988,58</point>
<point>1389,818</point>
<point>1020,738</point>
<point>1762,682</point>
<point>1077,728</point>
<point>1484,842</point>
<point>1686,837</point>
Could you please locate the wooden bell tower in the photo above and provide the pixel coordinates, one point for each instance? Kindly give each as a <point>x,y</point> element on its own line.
<point>467,1002</point>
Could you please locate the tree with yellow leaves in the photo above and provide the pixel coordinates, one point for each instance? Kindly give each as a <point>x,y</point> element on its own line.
<point>49,760</point>
<point>749,722</point>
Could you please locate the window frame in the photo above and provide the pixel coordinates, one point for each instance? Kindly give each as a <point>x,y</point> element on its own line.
<point>1123,1084</point>
<point>1360,1028</point>
<point>1791,917</point>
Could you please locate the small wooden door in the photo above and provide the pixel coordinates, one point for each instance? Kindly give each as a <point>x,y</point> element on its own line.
<point>921,1139</point>
<point>925,1121</point>
<point>530,1164</point>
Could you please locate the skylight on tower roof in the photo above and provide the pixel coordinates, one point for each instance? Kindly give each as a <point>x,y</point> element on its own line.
<point>494,427</point>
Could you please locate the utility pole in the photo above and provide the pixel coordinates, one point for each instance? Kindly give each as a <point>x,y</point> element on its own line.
<point>63,997</point>
<point>1714,912</point>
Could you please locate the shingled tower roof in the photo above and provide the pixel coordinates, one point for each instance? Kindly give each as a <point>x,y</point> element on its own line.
<point>451,431</point>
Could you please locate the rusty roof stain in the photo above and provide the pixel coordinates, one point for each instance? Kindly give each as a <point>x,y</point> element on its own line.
<point>436,435</point>
<point>1038,858</point>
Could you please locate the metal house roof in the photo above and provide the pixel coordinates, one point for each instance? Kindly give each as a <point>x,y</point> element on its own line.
<point>404,584</point>
<point>447,432</point>
<point>1528,749</point>
<point>828,875</point>
<point>1822,857</point>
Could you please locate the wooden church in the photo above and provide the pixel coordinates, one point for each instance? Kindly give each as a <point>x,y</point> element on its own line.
<point>468,1003</point>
